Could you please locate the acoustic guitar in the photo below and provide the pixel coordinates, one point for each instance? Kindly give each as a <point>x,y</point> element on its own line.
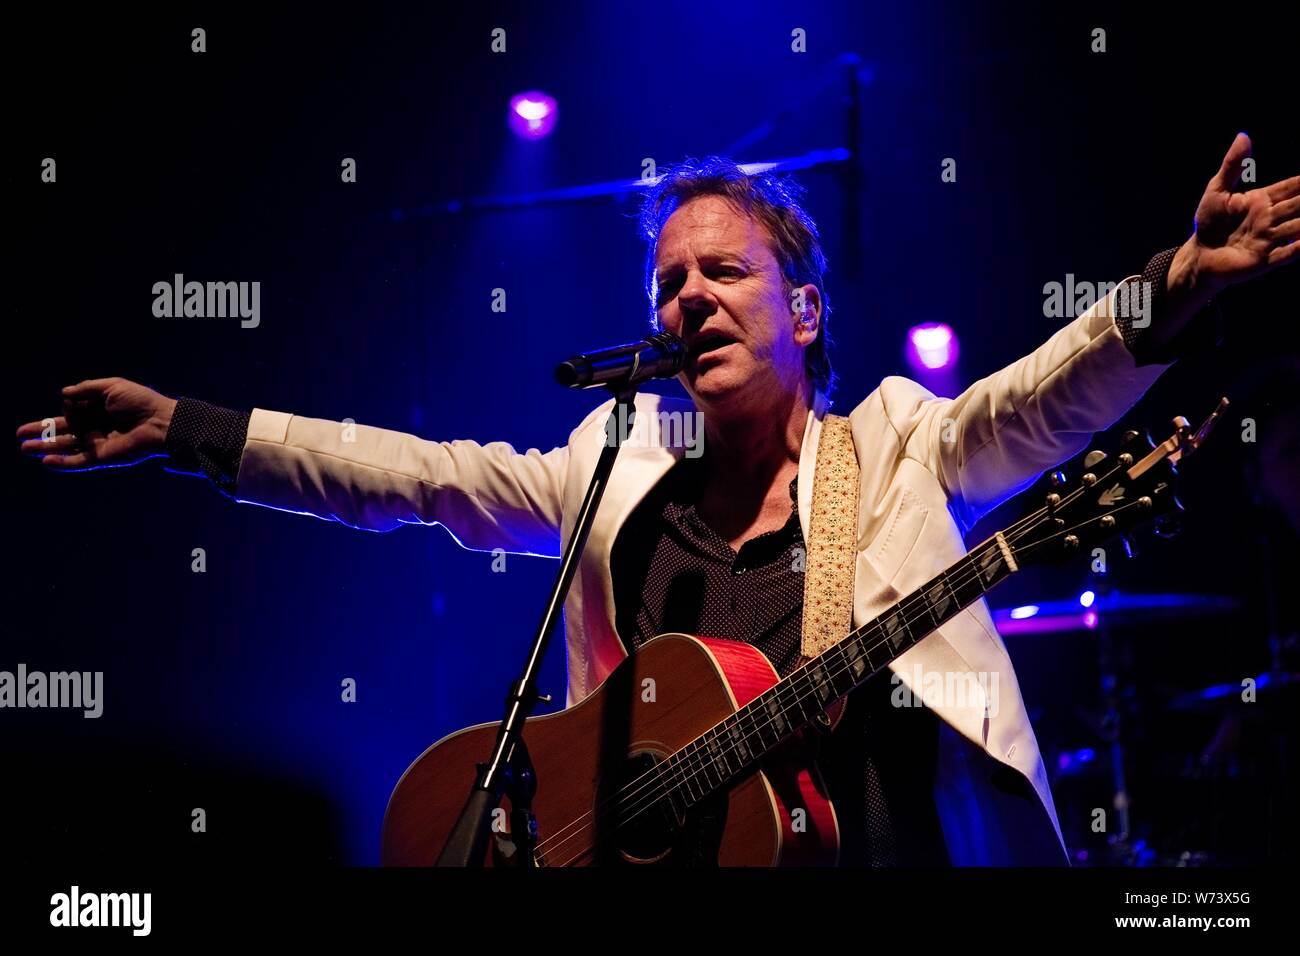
<point>693,752</point>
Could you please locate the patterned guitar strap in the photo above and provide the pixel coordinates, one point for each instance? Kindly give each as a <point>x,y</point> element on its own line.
<point>832,544</point>
<point>828,607</point>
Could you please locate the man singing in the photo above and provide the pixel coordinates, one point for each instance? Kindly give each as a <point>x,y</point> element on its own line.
<point>710,544</point>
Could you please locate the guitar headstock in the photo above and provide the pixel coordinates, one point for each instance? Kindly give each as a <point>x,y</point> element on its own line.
<point>1114,496</point>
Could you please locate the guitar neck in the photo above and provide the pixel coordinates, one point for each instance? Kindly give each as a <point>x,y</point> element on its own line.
<point>733,746</point>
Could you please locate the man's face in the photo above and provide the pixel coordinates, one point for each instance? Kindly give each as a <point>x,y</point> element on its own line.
<point>721,290</point>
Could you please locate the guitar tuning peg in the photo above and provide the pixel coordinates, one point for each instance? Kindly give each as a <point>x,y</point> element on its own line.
<point>1057,478</point>
<point>1094,457</point>
<point>1134,436</point>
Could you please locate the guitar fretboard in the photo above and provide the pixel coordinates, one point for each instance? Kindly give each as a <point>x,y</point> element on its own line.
<point>736,744</point>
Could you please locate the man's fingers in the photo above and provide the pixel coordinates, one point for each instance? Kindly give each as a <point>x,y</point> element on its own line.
<point>1286,189</point>
<point>67,462</point>
<point>1287,231</point>
<point>1288,209</point>
<point>1230,172</point>
<point>37,429</point>
<point>1288,253</point>
<point>61,445</point>
<point>90,388</point>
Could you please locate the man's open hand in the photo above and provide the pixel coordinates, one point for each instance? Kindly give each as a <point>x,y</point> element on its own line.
<point>1240,235</point>
<point>106,422</point>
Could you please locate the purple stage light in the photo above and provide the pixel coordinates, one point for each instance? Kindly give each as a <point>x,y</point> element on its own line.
<point>1073,759</point>
<point>1023,612</point>
<point>533,114</point>
<point>932,346</point>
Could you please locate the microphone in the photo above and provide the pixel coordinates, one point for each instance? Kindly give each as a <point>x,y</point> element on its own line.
<point>659,356</point>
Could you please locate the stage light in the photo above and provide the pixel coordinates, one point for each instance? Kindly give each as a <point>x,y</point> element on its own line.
<point>1086,599</point>
<point>1069,759</point>
<point>533,114</point>
<point>1025,611</point>
<point>1090,620</point>
<point>932,346</point>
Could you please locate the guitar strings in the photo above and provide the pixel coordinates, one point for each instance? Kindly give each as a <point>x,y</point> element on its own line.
<point>653,790</point>
<point>561,837</point>
<point>1015,531</point>
<point>650,783</point>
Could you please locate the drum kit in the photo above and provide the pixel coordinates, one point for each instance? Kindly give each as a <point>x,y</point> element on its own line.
<point>1156,768</point>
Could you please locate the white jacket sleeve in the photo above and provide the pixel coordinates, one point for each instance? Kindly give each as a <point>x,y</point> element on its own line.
<point>1002,432</point>
<point>488,496</point>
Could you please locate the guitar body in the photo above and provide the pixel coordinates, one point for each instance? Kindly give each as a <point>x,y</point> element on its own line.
<point>656,702</point>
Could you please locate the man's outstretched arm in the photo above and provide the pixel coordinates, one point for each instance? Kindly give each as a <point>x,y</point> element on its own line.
<point>1004,430</point>
<point>488,496</point>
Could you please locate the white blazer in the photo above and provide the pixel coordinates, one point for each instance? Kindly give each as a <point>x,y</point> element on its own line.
<point>919,492</point>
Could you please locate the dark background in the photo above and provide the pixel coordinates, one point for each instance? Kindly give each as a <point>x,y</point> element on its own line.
<point>223,688</point>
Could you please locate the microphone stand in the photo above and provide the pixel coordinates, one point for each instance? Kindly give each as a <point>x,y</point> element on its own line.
<point>509,771</point>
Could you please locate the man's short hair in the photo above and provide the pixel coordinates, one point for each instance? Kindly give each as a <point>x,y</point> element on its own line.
<point>771,201</point>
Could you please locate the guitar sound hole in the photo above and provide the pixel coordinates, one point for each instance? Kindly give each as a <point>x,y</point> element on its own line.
<point>649,831</point>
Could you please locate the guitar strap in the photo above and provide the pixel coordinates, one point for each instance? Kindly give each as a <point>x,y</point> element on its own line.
<point>832,540</point>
